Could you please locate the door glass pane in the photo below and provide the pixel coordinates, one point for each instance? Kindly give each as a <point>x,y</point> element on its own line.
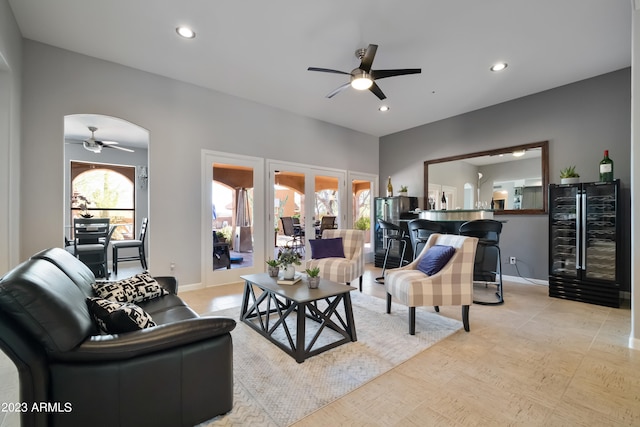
<point>601,229</point>
<point>564,232</point>
<point>327,204</point>
<point>289,213</point>
<point>361,198</point>
<point>232,216</point>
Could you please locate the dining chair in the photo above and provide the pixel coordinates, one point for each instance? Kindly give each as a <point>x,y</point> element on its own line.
<point>91,243</point>
<point>127,244</point>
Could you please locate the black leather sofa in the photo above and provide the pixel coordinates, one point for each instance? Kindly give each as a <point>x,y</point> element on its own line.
<point>178,373</point>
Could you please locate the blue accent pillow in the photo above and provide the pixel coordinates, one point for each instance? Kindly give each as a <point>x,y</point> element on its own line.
<point>436,257</point>
<point>326,248</point>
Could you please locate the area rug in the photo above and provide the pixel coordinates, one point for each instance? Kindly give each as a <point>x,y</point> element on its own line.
<point>272,389</point>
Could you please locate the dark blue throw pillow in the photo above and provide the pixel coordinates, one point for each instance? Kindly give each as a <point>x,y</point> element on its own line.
<point>326,248</point>
<point>436,257</point>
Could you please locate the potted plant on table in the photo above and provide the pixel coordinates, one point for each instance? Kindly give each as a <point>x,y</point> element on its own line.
<point>288,258</point>
<point>313,277</point>
<point>274,267</point>
<point>403,190</point>
<point>569,175</point>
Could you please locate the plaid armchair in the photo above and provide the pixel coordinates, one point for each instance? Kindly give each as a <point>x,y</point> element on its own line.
<point>452,285</point>
<point>349,268</point>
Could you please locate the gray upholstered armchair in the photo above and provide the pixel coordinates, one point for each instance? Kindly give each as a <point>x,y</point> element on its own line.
<point>451,285</point>
<point>338,269</point>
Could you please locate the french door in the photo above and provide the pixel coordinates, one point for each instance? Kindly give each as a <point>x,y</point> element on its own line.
<point>306,194</point>
<point>232,217</point>
<point>364,189</point>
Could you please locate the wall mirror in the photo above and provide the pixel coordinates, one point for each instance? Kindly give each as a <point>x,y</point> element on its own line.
<point>514,178</point>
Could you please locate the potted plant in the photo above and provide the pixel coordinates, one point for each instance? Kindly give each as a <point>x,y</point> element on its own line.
<point>364,223</point>
<point>313,277</point>
<point>274,267</point>
<point>403,190</point>
<point>569,175</point>
<point>288,258</point>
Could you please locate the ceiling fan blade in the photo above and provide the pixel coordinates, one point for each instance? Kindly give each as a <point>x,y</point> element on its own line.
<point>375,89</point>
<point>338,90</point>
<point>367,59</point>
<point>119,148</point>
<point>327,70</point>
<point>381,74</point>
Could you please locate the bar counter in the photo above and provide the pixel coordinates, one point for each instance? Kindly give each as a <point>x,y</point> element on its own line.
<point>456,214</point>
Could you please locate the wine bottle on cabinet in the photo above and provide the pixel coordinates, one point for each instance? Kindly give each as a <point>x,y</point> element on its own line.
<point>443,202</point>
<point>606,168</point>
<point>389,188</point>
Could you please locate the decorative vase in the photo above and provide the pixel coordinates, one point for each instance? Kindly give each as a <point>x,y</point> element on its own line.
<point>403,193</point>
<point>289,272</point>
<point>313,282</point>
<point>273,271</point>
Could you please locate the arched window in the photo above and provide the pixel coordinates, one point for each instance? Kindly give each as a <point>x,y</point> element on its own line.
<point>105,191</point>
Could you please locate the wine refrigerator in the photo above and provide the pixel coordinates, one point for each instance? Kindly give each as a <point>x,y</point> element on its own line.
<point>398,211</point>
<point>584,242</point>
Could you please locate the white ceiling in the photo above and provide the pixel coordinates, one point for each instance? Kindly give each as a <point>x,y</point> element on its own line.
<point>260,50</point>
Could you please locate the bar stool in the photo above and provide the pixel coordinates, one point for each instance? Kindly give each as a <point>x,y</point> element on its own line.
<point>393,234</point>
<point>485,268</point>
<point>420,230</point>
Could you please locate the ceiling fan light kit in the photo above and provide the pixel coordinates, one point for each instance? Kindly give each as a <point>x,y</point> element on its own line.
<point>364,77</point>
<point>360,80</point>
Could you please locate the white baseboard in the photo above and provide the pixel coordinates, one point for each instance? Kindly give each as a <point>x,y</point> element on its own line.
<point>525,280</point>
<point>634,343</point>
<point>190,287</point>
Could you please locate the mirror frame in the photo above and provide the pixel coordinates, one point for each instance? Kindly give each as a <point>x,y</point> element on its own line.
<point>544,159</point>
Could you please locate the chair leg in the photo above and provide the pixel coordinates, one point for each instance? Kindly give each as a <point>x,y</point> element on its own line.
<point>388,303</point>
<point>143,258</point>
<point>412,320</point>
<point>114,261</point>
<point>465,317</point>
<point>360,283</point>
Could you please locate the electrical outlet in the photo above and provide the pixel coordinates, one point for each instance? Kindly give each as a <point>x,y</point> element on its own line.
<point>512,260</point>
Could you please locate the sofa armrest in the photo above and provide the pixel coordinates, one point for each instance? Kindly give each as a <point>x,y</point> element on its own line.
<point>169,283</point>
<point>157,338</point>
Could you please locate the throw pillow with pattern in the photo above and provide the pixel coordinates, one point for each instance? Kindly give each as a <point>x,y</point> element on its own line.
<point>139,288</point>
<point>117,318</point>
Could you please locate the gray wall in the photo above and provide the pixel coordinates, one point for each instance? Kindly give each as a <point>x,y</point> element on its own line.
<point>10,96</point>
<point>182,120</point>
<point>579,120</point>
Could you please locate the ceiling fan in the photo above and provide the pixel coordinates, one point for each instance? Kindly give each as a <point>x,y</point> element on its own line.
<point>96,146</point>
<point>364,77</point>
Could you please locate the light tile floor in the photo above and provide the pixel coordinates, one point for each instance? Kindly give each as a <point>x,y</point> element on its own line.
<point>533,361</point>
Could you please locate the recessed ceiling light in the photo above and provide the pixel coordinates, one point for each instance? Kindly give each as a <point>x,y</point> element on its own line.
<point>499,66</point>
<point>383,108</point>
<point>185,32</point>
